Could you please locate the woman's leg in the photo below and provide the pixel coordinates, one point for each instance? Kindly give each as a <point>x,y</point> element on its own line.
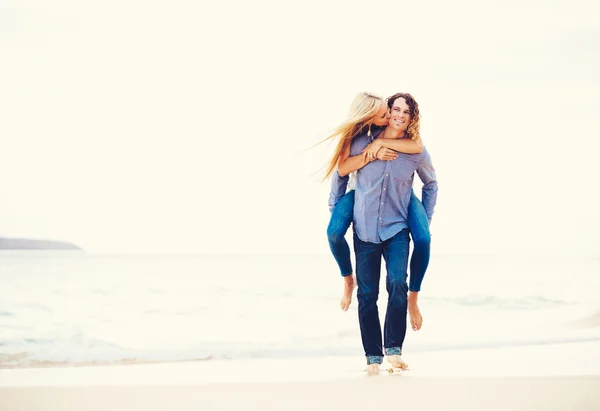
<point>419,230</point>
<point>341,217</point>
<point>340,220</point>
<point>418,225</point>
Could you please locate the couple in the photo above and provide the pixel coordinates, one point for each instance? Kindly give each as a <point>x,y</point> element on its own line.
<point>381,142</point>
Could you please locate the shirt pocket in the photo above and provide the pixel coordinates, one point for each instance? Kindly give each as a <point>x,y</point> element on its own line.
<point>403,168</point>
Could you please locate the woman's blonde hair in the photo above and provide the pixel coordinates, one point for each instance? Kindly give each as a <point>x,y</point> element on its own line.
<point>362,112</point>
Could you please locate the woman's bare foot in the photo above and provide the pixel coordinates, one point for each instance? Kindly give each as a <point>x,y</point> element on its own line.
<point>416,319</point>
<point>349,284</point>
<point>396,362</point>
<point>372,369</point>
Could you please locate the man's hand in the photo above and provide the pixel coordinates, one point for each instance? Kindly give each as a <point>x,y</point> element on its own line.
<point>386,154</point>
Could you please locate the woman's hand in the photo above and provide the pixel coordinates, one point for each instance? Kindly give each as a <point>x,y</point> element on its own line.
<point>373,148</point>
<point>386,154</point>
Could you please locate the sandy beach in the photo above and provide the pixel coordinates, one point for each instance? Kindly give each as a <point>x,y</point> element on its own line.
<point>517,393</point>
<point>551,377</point>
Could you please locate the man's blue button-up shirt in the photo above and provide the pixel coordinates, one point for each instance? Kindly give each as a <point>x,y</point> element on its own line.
<point>383,191</point>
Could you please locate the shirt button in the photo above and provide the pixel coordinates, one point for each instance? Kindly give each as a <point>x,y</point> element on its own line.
<point>383,188</point>
<point>382,203</point>
<point>380,218</point>
<point>387,175</point>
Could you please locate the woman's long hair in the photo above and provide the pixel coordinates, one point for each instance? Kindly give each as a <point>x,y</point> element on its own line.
<point>413,129</point>
<point>362,111</point>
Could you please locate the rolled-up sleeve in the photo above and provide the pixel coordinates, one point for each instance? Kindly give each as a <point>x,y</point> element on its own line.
<point>338,189</point>
<point>429,194</point>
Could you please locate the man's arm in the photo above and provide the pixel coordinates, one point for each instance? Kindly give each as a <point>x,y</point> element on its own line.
<point>338,189</point>
<point>426,173</point>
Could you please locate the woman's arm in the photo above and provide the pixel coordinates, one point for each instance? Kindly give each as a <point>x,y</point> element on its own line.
<point>348,164</point>
<point>402,145</point>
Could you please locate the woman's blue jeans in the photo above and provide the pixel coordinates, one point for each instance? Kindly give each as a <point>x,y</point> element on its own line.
<point>418,224</point>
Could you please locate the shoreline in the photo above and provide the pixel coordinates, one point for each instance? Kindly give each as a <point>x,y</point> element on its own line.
<point>567,359</point>
<point>559,344</point>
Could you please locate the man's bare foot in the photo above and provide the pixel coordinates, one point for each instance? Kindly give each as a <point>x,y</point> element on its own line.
<point>372,369</point>
<point>396,362</point>
<point>349,284</point>
<point>416,319</point>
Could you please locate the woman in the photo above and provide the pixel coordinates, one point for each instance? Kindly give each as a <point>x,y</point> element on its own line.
<point>370,114</point>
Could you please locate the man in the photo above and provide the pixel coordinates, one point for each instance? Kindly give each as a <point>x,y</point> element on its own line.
<point>383,191</point>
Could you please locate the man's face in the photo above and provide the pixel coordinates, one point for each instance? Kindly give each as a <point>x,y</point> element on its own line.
<point>400,115</point>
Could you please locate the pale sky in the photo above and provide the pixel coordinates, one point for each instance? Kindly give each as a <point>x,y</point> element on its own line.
<point>180,126</point>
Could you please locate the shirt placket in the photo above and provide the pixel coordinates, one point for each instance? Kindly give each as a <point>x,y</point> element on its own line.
<point>383,198</point>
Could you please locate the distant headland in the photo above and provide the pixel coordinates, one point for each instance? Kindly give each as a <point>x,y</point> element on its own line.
<point>29,244</point>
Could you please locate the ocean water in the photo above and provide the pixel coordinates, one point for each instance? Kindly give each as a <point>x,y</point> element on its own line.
<point>72,308</point>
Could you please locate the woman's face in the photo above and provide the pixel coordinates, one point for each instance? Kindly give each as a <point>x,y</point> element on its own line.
<point>400,117</point>
<point>382,118</point>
